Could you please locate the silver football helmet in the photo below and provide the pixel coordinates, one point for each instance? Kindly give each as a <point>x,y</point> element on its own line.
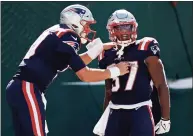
<point>79,18</point>
<point>122,27</point>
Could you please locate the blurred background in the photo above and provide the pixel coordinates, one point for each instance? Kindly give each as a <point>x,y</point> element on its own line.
<point>73,107</point>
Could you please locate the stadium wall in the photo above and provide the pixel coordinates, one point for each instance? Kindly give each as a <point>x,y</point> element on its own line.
<point>74,110</point>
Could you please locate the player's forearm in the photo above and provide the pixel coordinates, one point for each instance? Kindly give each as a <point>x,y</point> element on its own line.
<point>94,49</point>
<point>94,75</point>
<point>85,57</point>
<point>106,100</point>
<point>108,93</point>
<point>164,97</point>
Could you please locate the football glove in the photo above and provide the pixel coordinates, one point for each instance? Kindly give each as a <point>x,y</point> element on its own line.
<point>163,126</point>
<point>94,48</point>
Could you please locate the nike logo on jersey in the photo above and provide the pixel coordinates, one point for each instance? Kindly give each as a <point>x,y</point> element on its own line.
<point>75,38</point>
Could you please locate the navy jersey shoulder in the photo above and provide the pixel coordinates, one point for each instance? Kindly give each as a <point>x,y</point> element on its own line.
<point>72,39</point>
<point>69,37</point>
<point>52,52</point>
<point>107,57</point>
<point>133,87</point>
<point>149,45</point>
<point>143,48</point>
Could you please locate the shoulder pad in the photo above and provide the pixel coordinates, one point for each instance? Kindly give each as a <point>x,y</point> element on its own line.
<point>144,43</point>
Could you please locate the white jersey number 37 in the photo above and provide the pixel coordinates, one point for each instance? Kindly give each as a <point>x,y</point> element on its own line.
<point>130,80</point>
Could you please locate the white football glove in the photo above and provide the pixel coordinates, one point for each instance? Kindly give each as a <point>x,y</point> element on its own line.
<point>95,42</point>
<point>94,48</point>
<point>163,126</point>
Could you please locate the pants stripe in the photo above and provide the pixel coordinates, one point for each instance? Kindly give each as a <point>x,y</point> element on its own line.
<point>34,110</point>
<point>152,120</point>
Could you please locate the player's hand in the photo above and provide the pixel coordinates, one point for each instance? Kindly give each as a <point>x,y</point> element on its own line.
<point>123,67</point>
<point>94,48</point>
<point>95,44</point>
<point>109,45</point>
<point>163,126</point>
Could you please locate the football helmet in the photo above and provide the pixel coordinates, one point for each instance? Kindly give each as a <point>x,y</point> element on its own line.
<point>79,18</point>
<point>122,27</point>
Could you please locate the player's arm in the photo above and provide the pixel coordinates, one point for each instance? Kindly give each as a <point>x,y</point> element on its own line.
<point>87,74</point>
<point>76,63</point>
<point>157,73</point>
<point>90,74</point>
<point>107,98</point>
<point>156,70</point>
<point>85,58</point>
<point>102,58</point>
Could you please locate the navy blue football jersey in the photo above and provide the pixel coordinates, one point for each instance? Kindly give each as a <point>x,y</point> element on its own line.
<point>133,87</point>
<point>54,51</point>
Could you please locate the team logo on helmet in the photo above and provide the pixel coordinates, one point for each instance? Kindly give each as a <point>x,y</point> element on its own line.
<point>79,11</point>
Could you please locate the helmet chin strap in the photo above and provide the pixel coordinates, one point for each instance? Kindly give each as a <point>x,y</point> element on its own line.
<point>83,40</point>
<point>120,52</point>
<point>123,44</point>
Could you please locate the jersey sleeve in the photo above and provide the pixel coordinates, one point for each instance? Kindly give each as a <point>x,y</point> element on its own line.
<point>76,62</point>
<point>70,56</point>
<point>69,46</point>
<point>152,48</point>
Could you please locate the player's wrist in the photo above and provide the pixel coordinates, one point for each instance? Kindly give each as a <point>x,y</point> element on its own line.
<point>165,118</point>
<point>114,71</point>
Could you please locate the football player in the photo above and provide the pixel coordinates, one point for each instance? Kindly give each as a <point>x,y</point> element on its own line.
<point>128,96</point>
<point>54,51</point>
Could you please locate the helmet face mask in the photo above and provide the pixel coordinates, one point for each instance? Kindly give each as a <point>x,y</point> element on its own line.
<point>87,33</point>
<point>79,18</point>
<point>122,28</point>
